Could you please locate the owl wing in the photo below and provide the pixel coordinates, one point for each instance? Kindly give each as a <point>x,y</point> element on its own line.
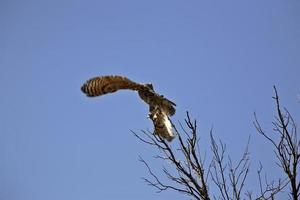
<point>108,84</point>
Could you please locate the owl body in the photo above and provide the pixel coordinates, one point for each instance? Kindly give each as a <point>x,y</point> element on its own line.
<point>153,99</point>
<point>162,124</point>
<point>159,106</point>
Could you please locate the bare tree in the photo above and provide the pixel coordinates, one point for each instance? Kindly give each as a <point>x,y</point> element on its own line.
<point>286,145</point>
<point>237,174</point>
<point>188,172</point>
<point>189,176</point>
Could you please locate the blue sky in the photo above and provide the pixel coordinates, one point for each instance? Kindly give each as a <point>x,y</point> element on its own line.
<point>216,59</point>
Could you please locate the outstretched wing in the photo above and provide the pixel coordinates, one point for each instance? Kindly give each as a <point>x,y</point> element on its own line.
<point>108,84</point>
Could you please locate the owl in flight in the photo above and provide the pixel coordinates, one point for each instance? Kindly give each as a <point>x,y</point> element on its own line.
<point>160,108</point>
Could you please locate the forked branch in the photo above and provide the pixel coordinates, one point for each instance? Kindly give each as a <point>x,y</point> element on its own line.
<point>286,144</point>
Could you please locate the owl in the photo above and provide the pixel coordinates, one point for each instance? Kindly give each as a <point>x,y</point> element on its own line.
<point>160,108</point>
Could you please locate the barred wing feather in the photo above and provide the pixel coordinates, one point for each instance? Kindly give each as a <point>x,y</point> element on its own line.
<point>108,84</point>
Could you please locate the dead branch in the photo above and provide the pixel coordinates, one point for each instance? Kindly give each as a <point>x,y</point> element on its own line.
<point>223,169</point>
<point>286,145</point>
<point>191,178</point>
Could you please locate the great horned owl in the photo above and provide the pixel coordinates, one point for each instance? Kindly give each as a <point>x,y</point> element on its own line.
<point>160,108</point>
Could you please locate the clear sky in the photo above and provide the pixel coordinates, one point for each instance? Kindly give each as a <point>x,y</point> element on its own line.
<point>216,59</point>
